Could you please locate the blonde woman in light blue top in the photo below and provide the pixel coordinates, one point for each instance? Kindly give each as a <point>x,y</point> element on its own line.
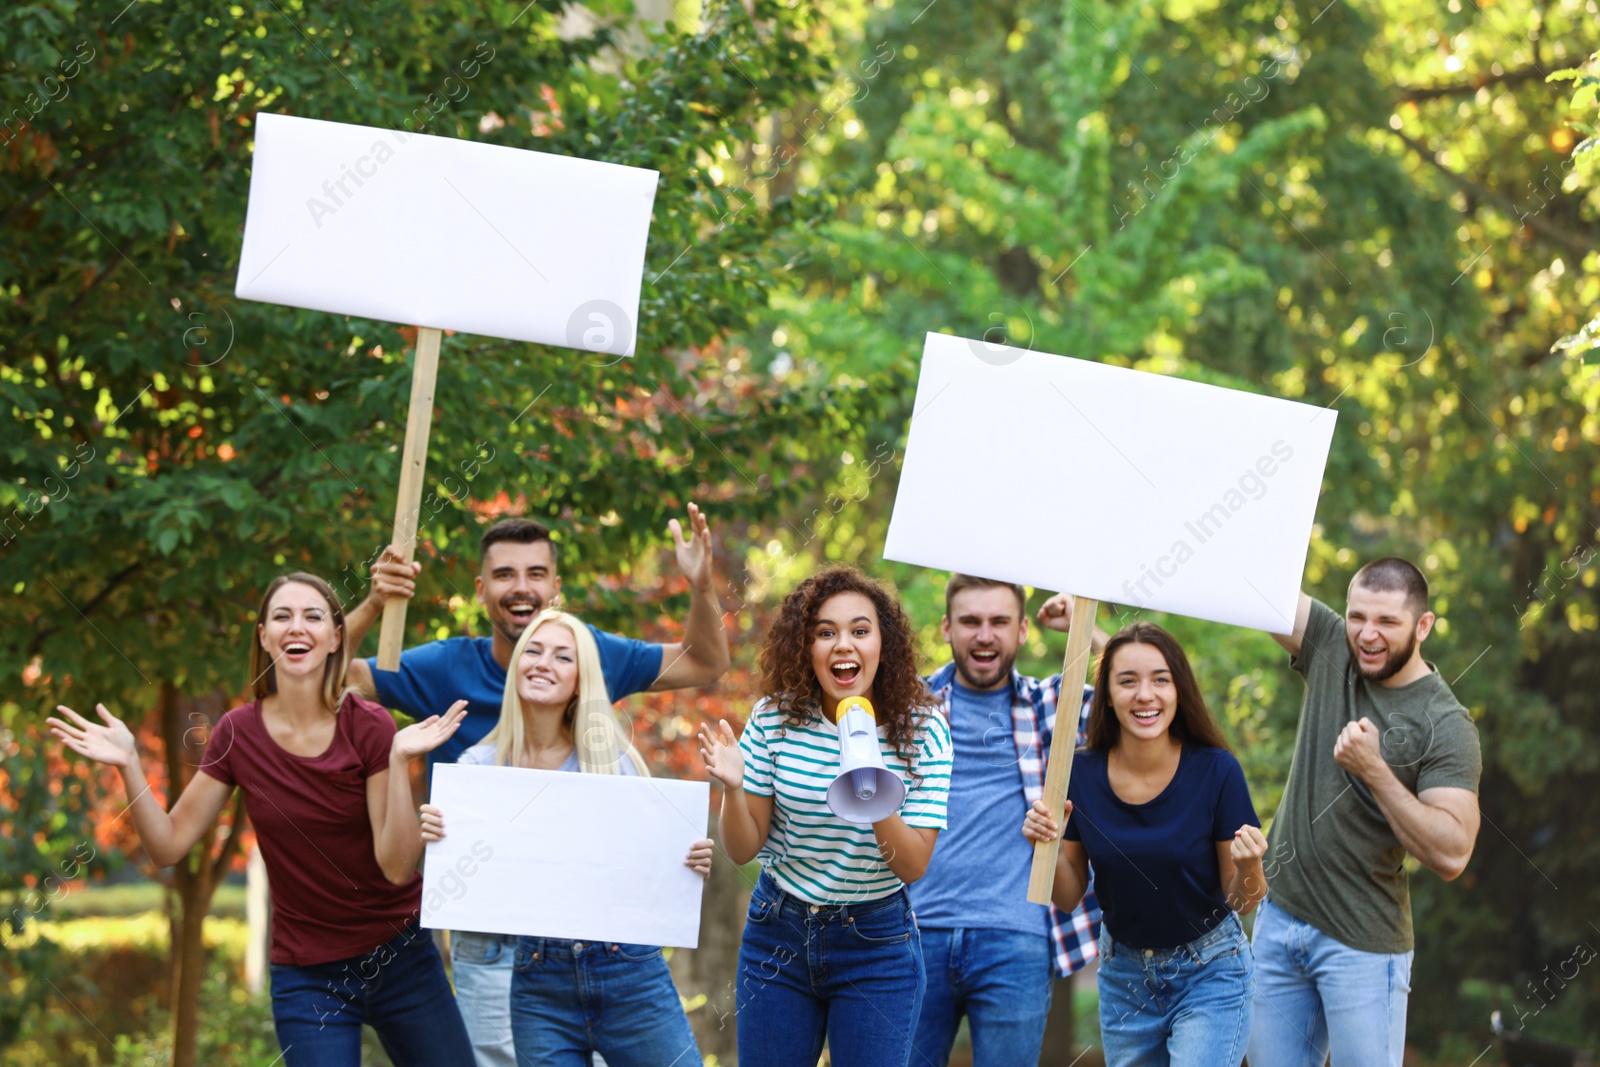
<point>571,999</point>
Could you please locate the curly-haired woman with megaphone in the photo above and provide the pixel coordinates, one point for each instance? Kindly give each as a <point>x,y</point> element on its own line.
<point>830,949</point>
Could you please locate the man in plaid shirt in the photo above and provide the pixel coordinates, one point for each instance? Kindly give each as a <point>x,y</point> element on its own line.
<point>989,954</point>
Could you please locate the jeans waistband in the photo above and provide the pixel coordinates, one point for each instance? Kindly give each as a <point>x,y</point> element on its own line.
<point>788,903</point>
<point>469,935</point>
<point>558,949</point>
<point>1226,930</point>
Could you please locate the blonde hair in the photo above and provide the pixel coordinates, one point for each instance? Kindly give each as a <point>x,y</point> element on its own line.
<point>263,673</point>
<point>597,735</point>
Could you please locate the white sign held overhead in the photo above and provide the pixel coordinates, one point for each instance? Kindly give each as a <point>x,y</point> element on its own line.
<point>1109,483</point>
<point>446,233</point>
<point>590,857</point>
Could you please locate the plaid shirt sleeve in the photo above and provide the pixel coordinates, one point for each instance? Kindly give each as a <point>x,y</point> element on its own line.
<point>1074,937</point>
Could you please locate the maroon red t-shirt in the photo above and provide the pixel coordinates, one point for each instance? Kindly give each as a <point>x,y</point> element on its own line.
<point>330,900</point>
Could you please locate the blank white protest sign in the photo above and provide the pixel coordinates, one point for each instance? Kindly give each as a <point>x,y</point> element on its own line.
<point>446,233</point>
<point>591,857</point>
<point>1109,483</point>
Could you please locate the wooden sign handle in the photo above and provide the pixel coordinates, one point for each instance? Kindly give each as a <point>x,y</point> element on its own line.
<point>1058,771</point>
<point>408,506</point>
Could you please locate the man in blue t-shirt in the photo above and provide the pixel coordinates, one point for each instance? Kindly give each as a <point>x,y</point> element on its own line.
<point>990,955</point>
<point>517,577</point>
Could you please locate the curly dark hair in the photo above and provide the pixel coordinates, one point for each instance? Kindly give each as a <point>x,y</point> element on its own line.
<point>900,699</point>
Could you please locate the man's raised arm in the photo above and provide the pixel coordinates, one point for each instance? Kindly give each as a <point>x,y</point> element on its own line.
<point>1302,615</point>
<point>702,656</point>
<point>391,577</point>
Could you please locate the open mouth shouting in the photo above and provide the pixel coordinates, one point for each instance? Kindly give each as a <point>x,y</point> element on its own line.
<point>984,657</point>
<point>521,611</point>
<point>1373,656</point>
<point>846,671</point>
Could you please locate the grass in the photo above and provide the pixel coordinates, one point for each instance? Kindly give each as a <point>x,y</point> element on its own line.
<point>136,898</point>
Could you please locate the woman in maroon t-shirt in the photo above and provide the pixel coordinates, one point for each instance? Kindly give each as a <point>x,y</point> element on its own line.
<point>327,787</point>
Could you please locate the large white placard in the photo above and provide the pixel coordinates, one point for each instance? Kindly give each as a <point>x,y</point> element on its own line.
<point>592,857</point>
<point>441,232</point>
<point>1110,483</point>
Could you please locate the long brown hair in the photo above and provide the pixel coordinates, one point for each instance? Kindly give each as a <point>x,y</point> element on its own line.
<point>1191,723</point>
<point>900,699</point>
<point>263,674</point>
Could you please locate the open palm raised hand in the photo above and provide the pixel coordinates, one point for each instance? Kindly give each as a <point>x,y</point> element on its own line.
<point>720,749</point>
<point>110,743</point>
<point>693,550</point>
<point>423,737</point>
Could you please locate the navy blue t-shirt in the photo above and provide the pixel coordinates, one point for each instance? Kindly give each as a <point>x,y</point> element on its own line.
<point>435,675</point>
<point>1155,864</point>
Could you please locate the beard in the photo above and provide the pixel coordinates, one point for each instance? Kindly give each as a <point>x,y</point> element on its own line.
<point>971,671</point>
<point>1398,657</point>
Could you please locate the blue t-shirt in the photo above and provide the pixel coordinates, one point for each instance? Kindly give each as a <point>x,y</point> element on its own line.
<point>1155,864</point>
<point>435,675</point>
<point>978,876</point>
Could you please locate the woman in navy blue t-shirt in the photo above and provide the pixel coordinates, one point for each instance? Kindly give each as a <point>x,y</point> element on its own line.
<point>1160,807</point>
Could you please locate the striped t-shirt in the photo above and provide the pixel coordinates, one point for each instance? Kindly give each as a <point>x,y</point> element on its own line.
<point>810,851</point>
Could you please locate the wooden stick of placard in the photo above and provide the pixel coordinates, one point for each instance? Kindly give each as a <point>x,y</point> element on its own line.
<point>408,506</point>
<point>1069,701</point>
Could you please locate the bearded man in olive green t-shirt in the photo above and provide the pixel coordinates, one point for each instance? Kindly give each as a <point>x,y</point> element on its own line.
<point>1386,762</point>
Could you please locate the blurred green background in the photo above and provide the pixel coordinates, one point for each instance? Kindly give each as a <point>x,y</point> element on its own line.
<point>1388,207</point>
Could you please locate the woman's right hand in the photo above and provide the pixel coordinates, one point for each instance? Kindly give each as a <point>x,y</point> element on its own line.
<point>432,824</point>
<point>720,750</point>
<point>112,743</point>
<point>1039,827</point>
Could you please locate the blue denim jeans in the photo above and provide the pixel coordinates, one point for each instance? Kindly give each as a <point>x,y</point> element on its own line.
<point>399,989</point>
<point>850,973</point>
<point>1188,1006</point>
<point>1000,980</point>
<point>481,965</point>
<point>1316,995</point>
<point>573,998</point>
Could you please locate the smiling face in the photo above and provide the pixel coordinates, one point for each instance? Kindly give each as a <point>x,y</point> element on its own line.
<point>985,627</point>
<point>516,581</point>
<point>298,632</point>
<point>1143,693</point>
<point>845,644</point>
<point>1382,632</point>
<point>547,674</point>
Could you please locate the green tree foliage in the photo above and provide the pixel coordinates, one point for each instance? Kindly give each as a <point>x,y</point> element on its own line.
<point>169,449</point>
<point>1360,206</point>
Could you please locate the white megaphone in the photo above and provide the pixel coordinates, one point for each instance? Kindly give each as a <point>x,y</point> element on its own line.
<point>865,790</point>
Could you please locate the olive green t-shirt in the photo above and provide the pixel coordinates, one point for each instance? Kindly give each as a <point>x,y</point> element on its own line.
<point>1334,862</point>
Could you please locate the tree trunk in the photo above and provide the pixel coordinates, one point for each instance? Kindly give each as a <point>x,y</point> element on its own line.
<point>712,969</point>
<point>190,953</point>
<point>1060,1030</point>
<point>185,724</point>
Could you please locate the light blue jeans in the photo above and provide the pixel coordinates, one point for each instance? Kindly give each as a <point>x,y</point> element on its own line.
<point>1316,995</point>
<point>1188,1006</point>
<point>481,965</point>
<point>1000,980</point>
